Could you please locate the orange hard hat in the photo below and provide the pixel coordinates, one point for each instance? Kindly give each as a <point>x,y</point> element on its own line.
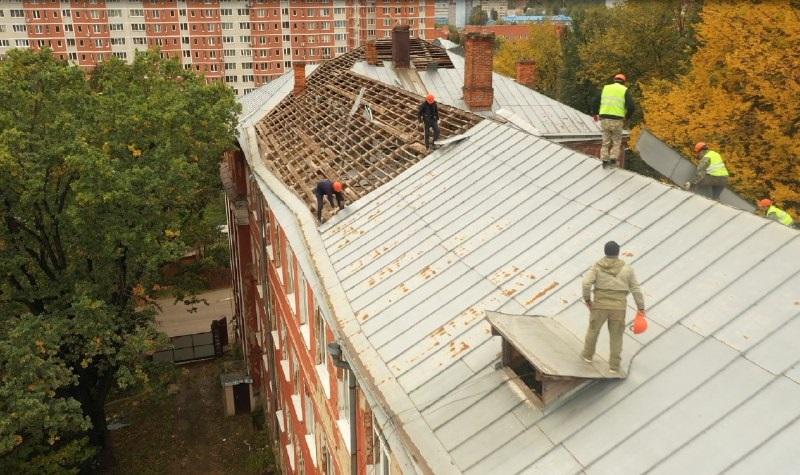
<point>620,77</point>
<point>337,187</point>
<point>639,323</point>
<point>429,98</point>
<point>700,146</point>
<point>765,203</point>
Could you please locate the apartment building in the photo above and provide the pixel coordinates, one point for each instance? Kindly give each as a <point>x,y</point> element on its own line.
<point>244,43</point>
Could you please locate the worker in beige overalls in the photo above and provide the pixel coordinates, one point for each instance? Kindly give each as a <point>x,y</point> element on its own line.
<point>612,280</point>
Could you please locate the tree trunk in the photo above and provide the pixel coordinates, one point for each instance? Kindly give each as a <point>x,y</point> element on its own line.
<point>92,391</point>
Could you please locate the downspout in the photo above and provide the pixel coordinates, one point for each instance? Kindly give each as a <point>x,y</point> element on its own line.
<point>353,435</point>
<point>335,351</point>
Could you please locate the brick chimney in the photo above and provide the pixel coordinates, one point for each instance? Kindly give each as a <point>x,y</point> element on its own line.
<point>478,91</point>
<point>527,73</point>
<point>299,68</point>
<point>372,53</point>
<point>401,55</point>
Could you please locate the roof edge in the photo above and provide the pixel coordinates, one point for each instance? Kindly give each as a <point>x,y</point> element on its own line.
<point>390,402</point>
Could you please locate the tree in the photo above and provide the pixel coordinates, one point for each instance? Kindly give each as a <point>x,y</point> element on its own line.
<point>477,16</point>
<point>543,46</point>
<point>99,179</point>
<point>741,96</point>
<point>453,34</point>
<point>40,432</point>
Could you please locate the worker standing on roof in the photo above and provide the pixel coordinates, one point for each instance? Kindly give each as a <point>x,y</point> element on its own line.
<point>329,188</point>
<point>428,114</point>
<point>773,212</point>
<point>614,107</point>
<point>711,171</point>
<point>612,279</point>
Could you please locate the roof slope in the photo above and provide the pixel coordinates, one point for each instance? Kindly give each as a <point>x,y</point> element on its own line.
<point>507,222</point>
<point>550,117</point>
<point>310,137</point>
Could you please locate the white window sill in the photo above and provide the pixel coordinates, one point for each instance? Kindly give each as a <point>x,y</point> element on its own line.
<point>285,368</point>
<point>324,379</point>
<point>265,359</point>
<point>290,453</point>
<point>279,416</point>
<point>312,448</point>
<point>269,253</point>
<point>276,341</point>
<point>298,406</point>
<point>344,430</point>
<point>260,289</point>
<point>305,330</point>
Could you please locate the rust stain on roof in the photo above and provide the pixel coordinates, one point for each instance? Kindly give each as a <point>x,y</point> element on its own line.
<point>427,272</point>
<point>541,293</point>
<point>627,254</point>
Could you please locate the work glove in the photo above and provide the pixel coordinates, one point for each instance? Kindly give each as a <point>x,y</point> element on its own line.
<point>596,118</point>
<point>687,185</point>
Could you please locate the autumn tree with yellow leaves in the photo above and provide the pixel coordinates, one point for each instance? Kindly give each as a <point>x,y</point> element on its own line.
<point>543,46</point>
<point>741,96</point>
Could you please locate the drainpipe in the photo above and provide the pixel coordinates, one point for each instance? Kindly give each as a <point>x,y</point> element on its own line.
<point>335,351</point>
<point>353,437</point>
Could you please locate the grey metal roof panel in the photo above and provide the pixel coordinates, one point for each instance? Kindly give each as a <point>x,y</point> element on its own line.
<point>732,438</point>
<point>778,455</point>
<point>717,282</point>
<point>667,431</point>
<point>509,451</point>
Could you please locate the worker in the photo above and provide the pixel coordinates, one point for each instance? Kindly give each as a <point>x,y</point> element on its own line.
<point>612,280</point>
<point>775,213</point>
<point>329,188</point>
<point>711,171</point>
<point>614,106</point>
<point>428,114</point>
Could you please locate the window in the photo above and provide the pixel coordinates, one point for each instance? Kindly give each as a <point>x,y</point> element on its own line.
<point>117,41</point>
<point>289,271</point>
<point>116,27</point>
<point>378,463</point>
<point>136,12</point>
<point>18,14</point>
<point>320,336</point>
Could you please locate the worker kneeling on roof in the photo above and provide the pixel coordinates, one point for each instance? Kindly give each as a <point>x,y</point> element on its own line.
<point>612,280</point>
<point>329,188</point>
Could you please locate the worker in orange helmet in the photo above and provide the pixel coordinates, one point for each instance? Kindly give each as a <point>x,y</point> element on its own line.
<point>773,212</point>
<point>328,188</point>
<point>428,114</point>
<point>711,171</point>
<point>614,106</point>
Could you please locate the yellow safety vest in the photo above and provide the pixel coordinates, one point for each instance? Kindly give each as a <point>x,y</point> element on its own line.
<point>716,167</point>
<point>612,100</point>
<point>783,216</point>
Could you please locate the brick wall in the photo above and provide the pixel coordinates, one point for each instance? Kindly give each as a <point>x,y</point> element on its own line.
<point>527,73</point>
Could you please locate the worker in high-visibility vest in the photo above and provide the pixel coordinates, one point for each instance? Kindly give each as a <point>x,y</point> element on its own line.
<point>614,107</point>
<point>773,212</point>
<point>711,171</point>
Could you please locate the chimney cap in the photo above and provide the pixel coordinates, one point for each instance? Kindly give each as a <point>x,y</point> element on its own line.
<point>526,61</point>
<point>478,35</point>
<point>401,28</point>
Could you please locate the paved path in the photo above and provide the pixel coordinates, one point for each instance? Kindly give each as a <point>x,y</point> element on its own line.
<point>176,320</point>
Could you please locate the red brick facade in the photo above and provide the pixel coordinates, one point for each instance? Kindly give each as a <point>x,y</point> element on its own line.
<point>527,73</point>
<point>305,398</point>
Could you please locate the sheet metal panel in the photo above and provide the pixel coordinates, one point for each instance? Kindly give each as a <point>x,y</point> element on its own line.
<point>671,385</point>
<point>780,351</point>
<point>667,431</point>
<point>777,455</point>
<point>507,451</point>
<point>752,425</point>
<point>558,460</point>
<point>492,410</point>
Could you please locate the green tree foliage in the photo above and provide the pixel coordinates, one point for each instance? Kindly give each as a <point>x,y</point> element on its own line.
<point>100,182</point>
<point>40,431</point>
<point>741,96</point>
<point>543,46</point>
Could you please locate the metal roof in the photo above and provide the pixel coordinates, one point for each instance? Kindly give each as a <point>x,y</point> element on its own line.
<point>550,117</point>
<point>508,222</point>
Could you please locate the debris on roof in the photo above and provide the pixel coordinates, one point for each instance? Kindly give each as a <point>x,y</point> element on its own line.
<point>312,136</point>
